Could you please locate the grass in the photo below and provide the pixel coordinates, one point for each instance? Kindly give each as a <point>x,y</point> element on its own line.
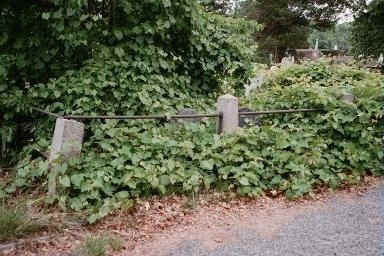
<point>116,243</point>
<point>98,245</point>
<point>15,222</point>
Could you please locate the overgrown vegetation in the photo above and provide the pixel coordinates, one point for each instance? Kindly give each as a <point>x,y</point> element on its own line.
<point>367,30</point>
<point>99,245</point>
<point>16,222</point>
<point>290,153</point>
<point>149,57</point>
<point>340,144</point>
<point>111,57</point>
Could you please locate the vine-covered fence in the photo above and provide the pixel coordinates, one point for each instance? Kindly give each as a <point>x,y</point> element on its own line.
<point>69,130</point>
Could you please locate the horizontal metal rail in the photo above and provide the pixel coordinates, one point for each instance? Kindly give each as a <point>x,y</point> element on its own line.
<point>277,112</point>
<point>161,117</point>
<point>46,112</point>
<point>142,117</point>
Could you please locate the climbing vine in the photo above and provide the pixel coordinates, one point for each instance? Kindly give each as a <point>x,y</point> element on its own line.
<point>289,154</point>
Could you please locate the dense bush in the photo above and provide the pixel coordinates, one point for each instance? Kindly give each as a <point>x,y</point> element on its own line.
<point>289,153</point>
<point>343,142</point>
<point>116,57</point>
<point>367,30</point>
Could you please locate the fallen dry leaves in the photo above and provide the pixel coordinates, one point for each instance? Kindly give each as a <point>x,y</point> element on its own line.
<point>162,217</point>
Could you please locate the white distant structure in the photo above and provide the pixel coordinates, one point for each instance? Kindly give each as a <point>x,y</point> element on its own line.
<point>255,83</point>
<point>317,45</point>
<point>288,61</point>
<point>270,58</point>
<point>380,61</point>
<point>336,47</point>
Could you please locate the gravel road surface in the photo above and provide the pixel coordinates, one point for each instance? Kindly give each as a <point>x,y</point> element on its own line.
<point>342,226</point>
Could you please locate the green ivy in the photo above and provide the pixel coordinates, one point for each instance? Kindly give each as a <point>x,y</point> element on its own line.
<point>112,57</point>
<point>291,153</point>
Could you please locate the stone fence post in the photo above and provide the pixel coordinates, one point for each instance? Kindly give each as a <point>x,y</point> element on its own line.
<point>228,106</point>
<point>347,98</point>
<point>67,142</point>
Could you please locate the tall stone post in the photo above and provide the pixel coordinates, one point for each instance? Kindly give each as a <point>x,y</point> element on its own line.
<point>67,142</point>
<point>228,107</point>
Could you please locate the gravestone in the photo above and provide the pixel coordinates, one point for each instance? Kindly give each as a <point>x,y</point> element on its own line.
<point>288,61</point>
<point>274,68</point>
<point>347,98</point>
<point>254,83</point>
<point>310,54</point>
<point>67,142</point>
<point>67,139</point>
<point>380,61</point>
<point>248,121</point>
<point>317,45</point>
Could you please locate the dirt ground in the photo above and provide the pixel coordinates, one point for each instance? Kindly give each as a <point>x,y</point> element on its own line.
<point>158,225</point>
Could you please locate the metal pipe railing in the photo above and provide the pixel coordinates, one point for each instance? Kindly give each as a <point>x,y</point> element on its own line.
<point>142,117</point>
<point>278,112</point>
<point>46,112</point>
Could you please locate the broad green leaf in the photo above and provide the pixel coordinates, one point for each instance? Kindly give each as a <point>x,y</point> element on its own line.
<point>244,181</point>
<point>65,181</point>
<point>118,34</point>
<point>207,164</point>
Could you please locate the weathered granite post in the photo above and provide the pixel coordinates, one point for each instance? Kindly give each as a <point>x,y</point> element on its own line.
<point>228,106</point>
<point>347,98</point>
<point>66,143</point>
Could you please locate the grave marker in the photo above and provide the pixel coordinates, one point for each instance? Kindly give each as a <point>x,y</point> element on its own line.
<point>67,142</point>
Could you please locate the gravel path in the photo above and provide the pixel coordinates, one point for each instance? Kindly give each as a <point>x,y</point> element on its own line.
<point>341,226</point>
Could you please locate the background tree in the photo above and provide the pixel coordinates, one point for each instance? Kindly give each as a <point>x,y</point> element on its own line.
<point>368,30</point>
<point>339,35</point>
<point>223,7</point>
<point>287,23</point>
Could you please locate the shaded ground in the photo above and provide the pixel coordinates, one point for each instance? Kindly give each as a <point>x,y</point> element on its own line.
<point>346,222</point>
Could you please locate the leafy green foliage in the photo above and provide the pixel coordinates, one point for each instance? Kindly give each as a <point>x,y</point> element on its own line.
<point>219,6</point>
<point>287,23</point>
<point>289,153</point>
<point>367,30</point>
<point>86,58</point>
<point>111,57</point>
<point>343,142</point>
<point>339,35</point>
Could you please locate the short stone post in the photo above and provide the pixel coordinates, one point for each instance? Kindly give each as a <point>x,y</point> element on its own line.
<point>67,142</point>
<point>347,98</point>
<point>228,106</point>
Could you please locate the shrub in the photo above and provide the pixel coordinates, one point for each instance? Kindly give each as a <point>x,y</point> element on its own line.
<point>290,153</point>
<point>131,57</point>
